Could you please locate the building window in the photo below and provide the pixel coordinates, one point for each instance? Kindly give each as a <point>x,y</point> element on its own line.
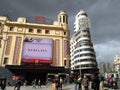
<point>60,19</point>
<point>5,61</point>
<point>63,19</point>
<point>65,33</point>
<point>64,62</point>
<point>11,28</point>
<point>30,30</point>
<point>47,31</point>
<point>39,30</point>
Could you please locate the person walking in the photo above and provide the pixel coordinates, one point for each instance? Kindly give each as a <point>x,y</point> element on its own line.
<point>54,85</point>
<point>101,78</point>
<point>3,85</point>
<point>110,81</point>
<point>61,82</point>
<point>34,83</point>
<point>95,82</point>
<point>25,83</point>
<point>57,81</point>
<point>79,82</point>
<point>85,82</point>
<point>76,84</point>
<point>18,85</point>
<point>46,83</point>
<point>39,84</point>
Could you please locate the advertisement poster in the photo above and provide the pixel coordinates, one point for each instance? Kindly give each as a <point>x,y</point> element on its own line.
<point>37,50</point>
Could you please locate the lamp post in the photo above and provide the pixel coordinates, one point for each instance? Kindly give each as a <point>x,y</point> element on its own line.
<point>80,69</point>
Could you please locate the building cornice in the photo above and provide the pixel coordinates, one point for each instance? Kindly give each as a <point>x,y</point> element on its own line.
<point>34,25</point>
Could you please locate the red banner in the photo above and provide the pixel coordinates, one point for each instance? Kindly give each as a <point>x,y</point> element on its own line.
<point>41,18</point>
<point>36,61</point>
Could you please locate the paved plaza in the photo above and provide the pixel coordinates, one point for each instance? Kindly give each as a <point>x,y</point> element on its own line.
<point>50,87</point>
<point>67,87</point>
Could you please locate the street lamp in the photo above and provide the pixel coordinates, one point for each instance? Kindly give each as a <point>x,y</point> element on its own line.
<point>80,69</point>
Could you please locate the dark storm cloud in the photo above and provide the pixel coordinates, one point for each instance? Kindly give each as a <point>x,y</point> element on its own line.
<point>104,16</point>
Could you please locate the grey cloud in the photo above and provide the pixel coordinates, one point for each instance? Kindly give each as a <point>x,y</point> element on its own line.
<point>107,51</point>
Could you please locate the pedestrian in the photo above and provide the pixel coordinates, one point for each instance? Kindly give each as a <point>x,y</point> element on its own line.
<point>110,81</point>
<point>25,83</point>
<point>57,83</point>
<point>54,85</point>
<point>34,83</point>
<point>39,83</point>
<point>79,82</point>
<point>101,78</point>
<point>18,85</point>
<point>61,82</point>
<point>75,82</point>
<point>95,82</point>
<point>46,83</point>
<point>65,81</point>
<point>85,82</point>
<point>3,85</point>
<point>9,84</point>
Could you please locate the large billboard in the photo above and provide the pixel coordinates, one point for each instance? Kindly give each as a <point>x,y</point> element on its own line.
<point>37,50</point>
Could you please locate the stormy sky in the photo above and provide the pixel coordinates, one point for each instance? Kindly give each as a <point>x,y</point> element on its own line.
<point>104,16</point>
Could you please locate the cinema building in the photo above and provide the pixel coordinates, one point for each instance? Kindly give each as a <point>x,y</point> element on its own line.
<point>33,49</point>
<point>83,58</point>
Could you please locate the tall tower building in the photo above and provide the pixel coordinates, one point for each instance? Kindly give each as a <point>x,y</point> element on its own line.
<point>102,67</point>
<point>83,57</point>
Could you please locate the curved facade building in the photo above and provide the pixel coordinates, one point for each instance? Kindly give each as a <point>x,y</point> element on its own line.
<point>83,56</point>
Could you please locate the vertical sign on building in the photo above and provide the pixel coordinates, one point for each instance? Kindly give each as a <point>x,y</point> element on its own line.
<point>57,51</point>
<point>8,45</point>
<point>17,50</point>
<point>66,48</point>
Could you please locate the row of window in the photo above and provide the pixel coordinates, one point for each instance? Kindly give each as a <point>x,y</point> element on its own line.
<point>30,30</point>
<point>84,60</point>
<point>83,25</point>
<point>86,65</point>
<point>82,32</point>
<point>84,49</point>
<point>82,55</point>
<point>82,36</point>
<point>84,44</point>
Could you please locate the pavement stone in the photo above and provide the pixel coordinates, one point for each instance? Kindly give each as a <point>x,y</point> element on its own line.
<point>67,87</point>
<point>49,87</point>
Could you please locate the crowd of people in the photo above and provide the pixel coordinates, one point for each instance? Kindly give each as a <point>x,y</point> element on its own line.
<point>85,82</point>
<point>94,82</point>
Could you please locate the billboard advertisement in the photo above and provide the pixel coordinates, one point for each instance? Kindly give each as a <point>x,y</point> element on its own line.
<point>37,50</point>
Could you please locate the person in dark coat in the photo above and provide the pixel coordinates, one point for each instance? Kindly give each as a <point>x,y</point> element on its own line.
<point>95,82</point>
<point>18,85</point>
<point>75,82</point>
<point>79,80</point>
<point>3,85</point>
<point>85,82</point>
